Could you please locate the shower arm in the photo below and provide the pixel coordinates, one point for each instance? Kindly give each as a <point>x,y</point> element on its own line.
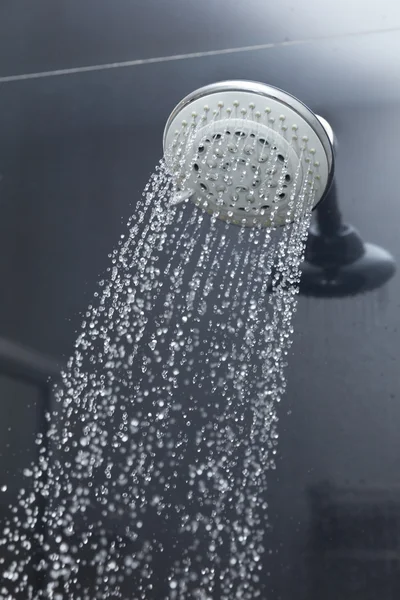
<point>328,217</point>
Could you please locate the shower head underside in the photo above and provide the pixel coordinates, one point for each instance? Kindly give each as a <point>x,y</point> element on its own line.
<point>246,152</point>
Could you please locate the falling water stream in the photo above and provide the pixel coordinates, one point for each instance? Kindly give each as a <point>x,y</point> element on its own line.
<point>152,477</point>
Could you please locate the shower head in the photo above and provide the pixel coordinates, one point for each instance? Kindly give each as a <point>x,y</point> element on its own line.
<point>245,151</point>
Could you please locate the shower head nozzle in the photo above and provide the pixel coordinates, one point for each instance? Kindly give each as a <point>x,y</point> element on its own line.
<point>244,151</point>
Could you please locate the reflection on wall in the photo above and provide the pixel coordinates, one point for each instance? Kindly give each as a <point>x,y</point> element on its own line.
<point>25,384</point>
<point>354,543</point>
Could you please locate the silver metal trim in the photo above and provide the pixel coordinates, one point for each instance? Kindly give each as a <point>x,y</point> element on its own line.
<point>328,128</point>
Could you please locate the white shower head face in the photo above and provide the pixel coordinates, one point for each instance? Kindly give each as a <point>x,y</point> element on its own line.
<point>240,151</point>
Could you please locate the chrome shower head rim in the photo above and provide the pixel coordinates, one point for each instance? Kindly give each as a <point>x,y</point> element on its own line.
<point>318,128</point>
